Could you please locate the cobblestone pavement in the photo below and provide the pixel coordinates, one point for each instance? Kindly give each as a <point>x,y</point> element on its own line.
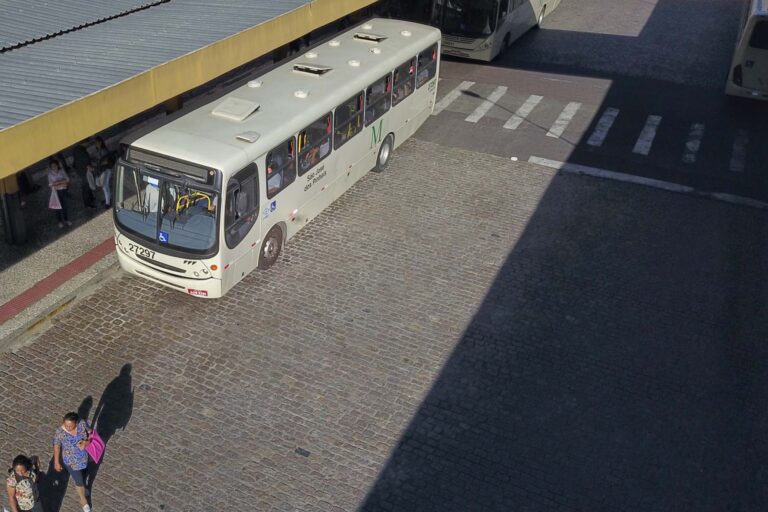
<point>459,333</point>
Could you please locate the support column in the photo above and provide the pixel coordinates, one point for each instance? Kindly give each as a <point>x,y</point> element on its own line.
<point>10,207</point>
<point>173,104</point>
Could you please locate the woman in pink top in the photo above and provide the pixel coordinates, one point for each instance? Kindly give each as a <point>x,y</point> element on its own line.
<point>58,181</point>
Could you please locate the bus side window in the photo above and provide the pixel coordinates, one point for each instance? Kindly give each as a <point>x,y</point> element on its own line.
<point>348,120</point>
<point>281,167</point>
<point>405,81</point>
<point>427,66</point>
<point>759,37</point>
<point>378,99</point>
<point>242,208</point>
<point>315,143</point>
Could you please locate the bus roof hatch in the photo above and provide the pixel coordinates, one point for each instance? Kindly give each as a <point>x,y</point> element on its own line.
<point>235,109</point>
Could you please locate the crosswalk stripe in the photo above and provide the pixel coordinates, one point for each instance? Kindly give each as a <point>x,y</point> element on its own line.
<point>739,153</point>
<point>486,105</point>
<point>693,143</point>
<point>451,97</point>
<point>645,141</point>
<point>516,120</point>
<point>564,119</point>
<point>603,126</point>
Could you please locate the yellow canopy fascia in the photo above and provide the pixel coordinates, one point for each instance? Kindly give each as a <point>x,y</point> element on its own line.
<point>46,134</point>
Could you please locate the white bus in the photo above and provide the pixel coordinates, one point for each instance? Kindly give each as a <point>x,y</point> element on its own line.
<point>748,76</point>
<point>205,199</point>
<point>481,29</point>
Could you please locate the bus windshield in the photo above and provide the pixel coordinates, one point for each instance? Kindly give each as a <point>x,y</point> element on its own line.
<point>466,18</point>
<point>166,211</point>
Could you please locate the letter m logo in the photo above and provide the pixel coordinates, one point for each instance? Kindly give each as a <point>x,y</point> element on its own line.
<point>377,133</point>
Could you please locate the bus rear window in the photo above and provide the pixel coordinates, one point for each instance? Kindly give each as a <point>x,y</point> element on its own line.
<point>759,37</point>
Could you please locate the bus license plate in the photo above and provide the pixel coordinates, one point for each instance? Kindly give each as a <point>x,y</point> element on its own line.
<point>140,251</point>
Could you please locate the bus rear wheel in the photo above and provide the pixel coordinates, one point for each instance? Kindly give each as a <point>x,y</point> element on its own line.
<point>385,152</point>
<point>270,248</point>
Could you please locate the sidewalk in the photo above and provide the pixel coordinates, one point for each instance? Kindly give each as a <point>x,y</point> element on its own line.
<point>44,282</point>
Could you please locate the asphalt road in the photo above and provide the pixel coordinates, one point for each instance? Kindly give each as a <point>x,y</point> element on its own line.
<point>644,67</point>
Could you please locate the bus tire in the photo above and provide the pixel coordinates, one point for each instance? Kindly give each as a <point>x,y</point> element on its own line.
<point>541,18</point>
<point>385,153</point>
<point>270,248</point>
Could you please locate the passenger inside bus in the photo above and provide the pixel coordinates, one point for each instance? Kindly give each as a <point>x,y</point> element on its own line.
<point>274,179</point>
<point>319,131</point>
<point>403,84</point>
<point>151,194</point>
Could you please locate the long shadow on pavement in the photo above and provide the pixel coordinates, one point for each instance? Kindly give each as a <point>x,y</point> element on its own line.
<point>618,362</point>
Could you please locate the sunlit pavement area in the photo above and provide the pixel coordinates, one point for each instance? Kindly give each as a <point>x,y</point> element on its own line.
<point>461,332</point>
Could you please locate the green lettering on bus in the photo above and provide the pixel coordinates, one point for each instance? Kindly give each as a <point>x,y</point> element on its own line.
<point>376,135</point>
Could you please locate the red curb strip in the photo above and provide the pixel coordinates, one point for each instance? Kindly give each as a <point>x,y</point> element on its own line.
<point>53,281</point>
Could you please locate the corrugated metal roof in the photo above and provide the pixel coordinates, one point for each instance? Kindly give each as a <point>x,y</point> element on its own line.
<point>23,21</point>
<point>48,74</point>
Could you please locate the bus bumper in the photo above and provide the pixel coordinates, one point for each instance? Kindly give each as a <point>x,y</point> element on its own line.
<point>467,53</point>
<point>206,288</point>
<point>732,89</point>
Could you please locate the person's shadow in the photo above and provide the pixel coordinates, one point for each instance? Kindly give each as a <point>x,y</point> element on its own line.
<point>113,412</point>
<point>53,487</point>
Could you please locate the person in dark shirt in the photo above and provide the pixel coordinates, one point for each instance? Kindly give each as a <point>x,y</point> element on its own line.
<point>81,161</point>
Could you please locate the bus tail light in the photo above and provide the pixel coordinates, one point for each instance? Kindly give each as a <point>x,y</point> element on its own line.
<point>737,78</point>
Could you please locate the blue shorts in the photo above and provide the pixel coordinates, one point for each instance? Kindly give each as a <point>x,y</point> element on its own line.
<point>78,475</point>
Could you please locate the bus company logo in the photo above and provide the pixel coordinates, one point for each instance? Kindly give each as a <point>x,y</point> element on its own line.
<point>197,293</point>
<point>377,133</point>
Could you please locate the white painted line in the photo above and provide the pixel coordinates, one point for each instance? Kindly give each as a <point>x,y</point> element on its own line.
<point>603,127</point>
<point>564,119</point>
<point>451,97</point>
<point>611,175</point>
<point>645,141</point>
<point>648,182</point>
<point>693,143</point>
<point>739,154</point>
<point>516,120</point>
<point>486,105</point>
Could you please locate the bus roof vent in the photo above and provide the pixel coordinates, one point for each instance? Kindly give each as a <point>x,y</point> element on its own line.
<point>235,109</point>
<point>369,38</point>
<point>312,69</point>
<point>249,136</point>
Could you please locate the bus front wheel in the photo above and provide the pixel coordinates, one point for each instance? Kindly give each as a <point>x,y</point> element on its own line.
<point>270,248</point>
<point>385,152</point>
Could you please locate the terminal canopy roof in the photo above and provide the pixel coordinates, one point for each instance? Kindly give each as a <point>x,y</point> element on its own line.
<point>71,68</point>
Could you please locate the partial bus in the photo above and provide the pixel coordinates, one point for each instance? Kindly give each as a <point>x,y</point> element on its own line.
<point>482,29</point>
<point>216,193</point>
<point>748,76</point>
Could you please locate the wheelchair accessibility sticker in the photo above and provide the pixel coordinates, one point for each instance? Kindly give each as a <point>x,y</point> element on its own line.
<point>162,237</point>
<point>269,209</point>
